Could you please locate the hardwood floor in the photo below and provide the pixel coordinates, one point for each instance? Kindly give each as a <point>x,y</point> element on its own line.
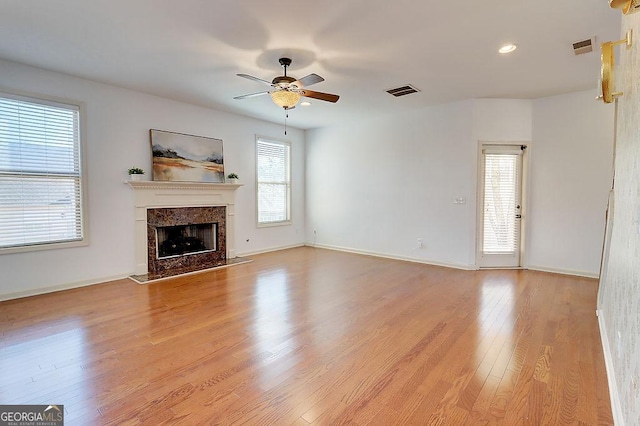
<point>311,336</point>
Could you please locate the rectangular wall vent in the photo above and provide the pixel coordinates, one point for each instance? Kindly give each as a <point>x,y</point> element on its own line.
<point>401,91</point>
<point>583,46</point>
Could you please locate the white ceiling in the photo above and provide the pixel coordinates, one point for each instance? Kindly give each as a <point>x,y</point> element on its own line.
<point>191,50</point>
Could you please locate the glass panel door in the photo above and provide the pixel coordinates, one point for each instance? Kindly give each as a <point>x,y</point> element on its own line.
<point>501,206</point>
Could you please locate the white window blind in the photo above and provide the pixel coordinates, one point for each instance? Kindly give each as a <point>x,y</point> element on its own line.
<point>274,181</point>
<point>40,180</point>
<point>501,199</point>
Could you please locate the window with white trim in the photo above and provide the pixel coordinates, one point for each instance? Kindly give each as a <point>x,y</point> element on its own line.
<point>273,171</point>
<point>40,173</point>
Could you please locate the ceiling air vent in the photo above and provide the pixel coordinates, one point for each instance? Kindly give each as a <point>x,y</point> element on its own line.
<point>401,91</point>
<point>583,46</point>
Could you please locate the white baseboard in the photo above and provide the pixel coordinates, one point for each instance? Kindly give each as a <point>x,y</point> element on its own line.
<point>563,271</point>
<point>394,257</point>
<point>52,289</point>
<point>268,249</point>
<point>616,408</point>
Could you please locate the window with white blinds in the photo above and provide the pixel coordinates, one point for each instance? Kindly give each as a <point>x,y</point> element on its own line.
<point>273,171</point>
<point>501,230</point>
<point>40,178</point>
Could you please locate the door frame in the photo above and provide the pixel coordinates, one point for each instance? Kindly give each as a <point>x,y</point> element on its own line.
<point>524,202</point>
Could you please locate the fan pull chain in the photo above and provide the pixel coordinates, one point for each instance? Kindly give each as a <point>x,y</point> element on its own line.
<point>286,115</point>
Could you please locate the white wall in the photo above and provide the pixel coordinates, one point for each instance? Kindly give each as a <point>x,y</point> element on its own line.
<point>571,170</point>
<point>502,120</point>
<point>619,298</point>
<point>117,123</point>
<point>377,186</point>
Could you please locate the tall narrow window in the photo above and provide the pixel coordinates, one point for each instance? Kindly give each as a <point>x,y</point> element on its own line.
<point>273,173</point>
<point>40,178</point>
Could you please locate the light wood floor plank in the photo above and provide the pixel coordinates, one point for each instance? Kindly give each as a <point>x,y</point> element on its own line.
<point>311,336</point>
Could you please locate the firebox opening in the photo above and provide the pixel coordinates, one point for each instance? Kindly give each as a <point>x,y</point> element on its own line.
<point>181,240</point>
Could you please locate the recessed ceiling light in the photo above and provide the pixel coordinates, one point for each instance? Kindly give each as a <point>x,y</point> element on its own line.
<point>507,48</point>
<point>305,103</point>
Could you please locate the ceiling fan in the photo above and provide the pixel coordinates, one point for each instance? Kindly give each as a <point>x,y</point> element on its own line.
<point>286,91</point>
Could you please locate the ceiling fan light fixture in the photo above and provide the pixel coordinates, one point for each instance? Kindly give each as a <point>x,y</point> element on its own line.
<point>285,98</point>
<point>286,91</point>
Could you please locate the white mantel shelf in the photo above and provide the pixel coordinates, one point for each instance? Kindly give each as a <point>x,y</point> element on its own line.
<point>166,194</point>
<point>154,184</point>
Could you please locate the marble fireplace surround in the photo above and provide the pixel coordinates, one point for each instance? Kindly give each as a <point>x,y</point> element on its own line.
<point>156,195</point>
<point>188,262</point>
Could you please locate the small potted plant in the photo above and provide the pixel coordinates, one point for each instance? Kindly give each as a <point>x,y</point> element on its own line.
<point>232,178</point>
<point>135,173</point>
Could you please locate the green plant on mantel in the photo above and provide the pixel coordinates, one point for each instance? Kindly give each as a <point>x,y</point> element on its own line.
<point>232,176</point>
<point>136,171</point>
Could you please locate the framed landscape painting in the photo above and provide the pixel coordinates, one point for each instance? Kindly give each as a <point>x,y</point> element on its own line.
<point>186,158</point>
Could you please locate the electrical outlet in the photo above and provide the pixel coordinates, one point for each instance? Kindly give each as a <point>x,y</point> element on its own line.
<point>420,243</point>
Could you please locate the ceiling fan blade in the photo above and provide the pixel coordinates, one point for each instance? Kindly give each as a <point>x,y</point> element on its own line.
<point>250,77</point>
<point>308,80</point>
<point>319,95</point>
<point>251,95</point>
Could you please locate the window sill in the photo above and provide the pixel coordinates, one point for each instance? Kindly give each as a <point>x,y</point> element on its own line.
<point>40,247</point>
<point>272,224</point>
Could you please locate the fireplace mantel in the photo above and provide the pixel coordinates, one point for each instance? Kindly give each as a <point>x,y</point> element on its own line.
<point>204,186</point>
<point>161,194</point>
